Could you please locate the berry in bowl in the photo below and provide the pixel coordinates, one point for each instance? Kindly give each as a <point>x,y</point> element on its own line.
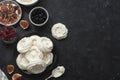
<point>10,12</point>
<point>8,34</point>
<point>38,16</point>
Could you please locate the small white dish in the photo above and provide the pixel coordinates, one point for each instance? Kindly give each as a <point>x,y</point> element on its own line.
<point>27,2</point>
<point>39,24</point>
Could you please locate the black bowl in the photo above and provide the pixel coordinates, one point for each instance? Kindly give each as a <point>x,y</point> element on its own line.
<point>48,69</point>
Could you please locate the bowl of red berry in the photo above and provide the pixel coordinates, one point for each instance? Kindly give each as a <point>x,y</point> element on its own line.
<point>10,12</point>
<point>8,34</point>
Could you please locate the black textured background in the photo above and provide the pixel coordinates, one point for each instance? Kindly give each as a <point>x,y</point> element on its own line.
<point>92,49</point>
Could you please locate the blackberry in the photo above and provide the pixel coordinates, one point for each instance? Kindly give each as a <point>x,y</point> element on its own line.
<point>38,16</point>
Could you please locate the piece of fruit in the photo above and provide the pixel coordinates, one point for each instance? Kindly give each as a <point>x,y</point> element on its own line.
<point>24,24</point>
<point>4,8</point>
<point>10,69</point>
<point>16,76</point>
<point>7,33</point>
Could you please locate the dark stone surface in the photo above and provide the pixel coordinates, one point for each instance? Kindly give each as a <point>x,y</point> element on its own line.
<point>92,49</point>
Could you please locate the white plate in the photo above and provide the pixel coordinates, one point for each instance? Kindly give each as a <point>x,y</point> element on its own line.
<point>27,3</point>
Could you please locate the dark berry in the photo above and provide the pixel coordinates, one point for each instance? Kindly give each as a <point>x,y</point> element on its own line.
<point>38,16</point>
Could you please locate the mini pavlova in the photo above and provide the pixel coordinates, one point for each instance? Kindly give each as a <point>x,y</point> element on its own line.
<point>35,54</point>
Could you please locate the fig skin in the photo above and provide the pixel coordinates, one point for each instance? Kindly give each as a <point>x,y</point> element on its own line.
<point>24,24</point>
<point>16,76</point>
<point>10,69</point>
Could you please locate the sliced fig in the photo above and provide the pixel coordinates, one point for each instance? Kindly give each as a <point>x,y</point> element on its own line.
<point>10,69</point>
<point>16,76</point>
<point>13,15</point>
<point>16,7</point>
<point>12,9</point>
<point>4,8</point>
<point>24,24</point>
<point>1,19</point>
<point>19,11</point>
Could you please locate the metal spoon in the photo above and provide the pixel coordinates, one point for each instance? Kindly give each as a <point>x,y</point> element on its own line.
<point>57,72</point>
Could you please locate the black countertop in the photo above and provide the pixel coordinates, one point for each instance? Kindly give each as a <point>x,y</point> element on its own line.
<point>92,49</point>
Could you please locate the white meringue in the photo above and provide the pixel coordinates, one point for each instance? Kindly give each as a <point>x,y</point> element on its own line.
<point>36,67</point>
<point>24,45</point>
<point>34,54</point>
<point>37,54</point>
<point>45,45</point>
<point>22,62</point>
<point>59,31</point>
<point>35,39</point>
<point>48,58</point>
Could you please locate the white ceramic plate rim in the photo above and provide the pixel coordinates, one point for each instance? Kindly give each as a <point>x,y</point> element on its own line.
<point>25,3</point>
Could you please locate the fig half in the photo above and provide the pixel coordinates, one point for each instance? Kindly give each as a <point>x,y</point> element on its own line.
<point>10,69</point>
<point>16,76</point>
<point>24,24</point>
